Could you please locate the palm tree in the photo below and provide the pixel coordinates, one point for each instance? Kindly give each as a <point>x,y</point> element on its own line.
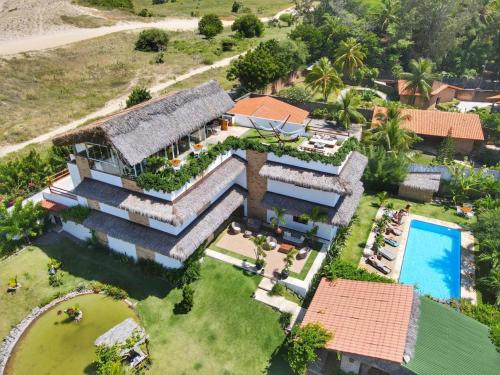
<point>387,13</point>
<point>419,77</point>
<point>346,112</point>
<point>392,137</point>
<point>278,219</point>
<point>333,28</point>
<point>349,56</point>
<point>392,112</point>
<point>259,242</point>
<point>323,78</point>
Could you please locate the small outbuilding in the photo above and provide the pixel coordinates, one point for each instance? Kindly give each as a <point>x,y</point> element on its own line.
<point>420,187</point>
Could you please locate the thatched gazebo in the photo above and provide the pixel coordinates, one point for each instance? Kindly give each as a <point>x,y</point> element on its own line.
<point>420,187</point>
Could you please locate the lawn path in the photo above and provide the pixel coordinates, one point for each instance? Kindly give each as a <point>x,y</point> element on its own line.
<point>113,106</point>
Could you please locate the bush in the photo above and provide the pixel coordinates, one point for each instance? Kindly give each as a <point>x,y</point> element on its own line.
<point>296,94</point>
<point>145,13</point>
<point>285,319</point>
<point>138,95</point>
<point>227,44</point>
<point>303,344</point>
<point>210,25</point>
<point>186,304</point>
<point>339,269</point>
<point>111,4</point>
<point>158,2</point>
<point>277,290</point>
<point>322,113</point>
<point>287,18</point>
<point>236,7</point>
<point>108,360</point>
<point>152,40</point>
<point>385,171</point>
<point>248,26</point>
<point>114,292</point>
<point>191,273</point>
<point>56,280</point>
<point>76,213</point>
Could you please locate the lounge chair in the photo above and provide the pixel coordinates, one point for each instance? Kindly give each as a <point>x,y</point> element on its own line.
<point>391,242</point>
<point>302,254</point>
<point>387,254</point>
<point>395,231</point>
<point>235,227</point>
<point>378,265</point>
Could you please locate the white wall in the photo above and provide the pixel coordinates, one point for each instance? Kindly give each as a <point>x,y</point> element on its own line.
<point>324,198</point>
<point>77,230</point>
<point>242,179</point>
<point>349,364</point>
<point>264,124</point>
<point>82,201</point>
<point>167,262</point>
<point>122,247</point>
<point>106,178</point>
<point>313,165</point>
<point>75,174</point>
<point>168,228</point>
<point>114,211</point>
<point>59,199</point>
<point>325,231</point>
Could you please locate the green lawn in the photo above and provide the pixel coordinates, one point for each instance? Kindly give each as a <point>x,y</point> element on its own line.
<point>424,159</point>
<point>227,332</point>
<point>367,210</point>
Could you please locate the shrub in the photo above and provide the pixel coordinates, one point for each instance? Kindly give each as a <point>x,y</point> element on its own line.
<point>138,95</point>
<point>248,26</point>
<point>186,304</point>
<point>303,344</point>
<point>191,273</point>
<point>111,4</point>
<point>287,18</point>
<point>285,319</point>
<point>56,280</point>
<point>159,58</point>
<point>54,263</point>
<point>322,113</point>
<point>339,269</point>
<point>76,213</point>
<point>114,292</point>
<point>227,44</point>
<point>145,13</point>
<point>277,290</point>
<point>158,2</point>
<point>210,25</point>
<point>296,94</point>
<point>152,40</point>
<point>235,7</point>
<point>108,360</point>
<point>96,287</point>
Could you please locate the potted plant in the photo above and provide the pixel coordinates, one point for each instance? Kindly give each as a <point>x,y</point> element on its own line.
<point>198,146</point>
<point>378,244</point>
<point>13,285</point>
<point>311,234</point>
<point>289,259</point>
<point>259,242</point>
<point>278,219</point>
<point>175,163</point>
<point>74,313</point>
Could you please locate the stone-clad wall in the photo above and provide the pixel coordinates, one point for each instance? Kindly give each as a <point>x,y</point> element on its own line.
<point>257,185</point>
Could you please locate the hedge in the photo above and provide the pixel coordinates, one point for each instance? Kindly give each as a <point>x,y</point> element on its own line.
<point>169,180</point>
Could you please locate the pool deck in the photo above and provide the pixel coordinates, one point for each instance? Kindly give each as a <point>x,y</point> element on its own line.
<point>467,268</point>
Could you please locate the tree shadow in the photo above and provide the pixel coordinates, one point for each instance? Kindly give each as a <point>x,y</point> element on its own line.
<point>98,265</point>
<point>278,364</point>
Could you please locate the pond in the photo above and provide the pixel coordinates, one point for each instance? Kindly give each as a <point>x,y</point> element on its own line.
<point>52,345</point>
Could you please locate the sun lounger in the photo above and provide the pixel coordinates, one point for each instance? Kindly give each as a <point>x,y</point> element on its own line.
<point>395,231</point>
<point>387,254</point>
<point>391,242</point>
<point>379,265</point>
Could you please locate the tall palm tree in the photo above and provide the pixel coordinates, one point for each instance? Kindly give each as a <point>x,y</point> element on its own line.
<point>333,28</point>
<point>392,112</point>
<point>349,56</point>
<point>392,137</point>
<point>323,78</point>
<point>387,13</point>
<point>346,109</point>
<point>278,219</point>
<point>419,77</point>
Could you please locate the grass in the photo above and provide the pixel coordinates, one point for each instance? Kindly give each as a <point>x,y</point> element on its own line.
<point>309,262</point>
<point>367,210</point>
<point>42,90</point>
<point>86,21</point>
<point>220,7</point>
<point>424,159</point>
<point>269,138</point>
<point>227,332</point>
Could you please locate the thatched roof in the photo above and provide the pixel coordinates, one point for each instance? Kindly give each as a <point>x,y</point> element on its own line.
<point>346,206</point>
<point>341,184</point>
<point>145,129</point>
<point>120,333</point>
<point>178,247</point>
<point>422,181</point>
<point>190,204</point>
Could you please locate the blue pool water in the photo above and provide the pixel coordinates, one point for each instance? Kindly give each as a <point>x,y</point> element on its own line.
<point>432,260</point>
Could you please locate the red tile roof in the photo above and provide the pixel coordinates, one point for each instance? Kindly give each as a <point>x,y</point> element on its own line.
<point>494,97</point>
<point>366,318</point>
<point>438,123</point>
<point>436,88</point>
<point>269,108</point>
<point>52,206</point>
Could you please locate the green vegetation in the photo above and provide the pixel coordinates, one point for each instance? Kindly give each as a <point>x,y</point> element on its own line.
<point>323,78</point>
<point>108,360</point>
<point>340,269</point>
<point>384,170</point>
<point>86,21</point>
<point>138,95</point>
<point>210,25</point>
<point>76,213</point>
<point>248,26</point>
<point>54,339</point>
<point>446,151</point>
<point>269,137</point>
<point>167,179</point>
<point>109,4</point>
<point>152,40</point>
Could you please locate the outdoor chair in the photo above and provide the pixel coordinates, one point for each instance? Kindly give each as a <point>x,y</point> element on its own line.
<point>391,242</point>
<point>235,227</point>
<point>302,254</point>
<point>378,265</point>
<point>271,242</point>
<point>387,254</point>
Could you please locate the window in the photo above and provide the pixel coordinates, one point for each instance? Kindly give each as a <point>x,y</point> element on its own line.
<point>183,144</point>
<point>198,135</point>
<point>300,219</point>
<point>99,152</point>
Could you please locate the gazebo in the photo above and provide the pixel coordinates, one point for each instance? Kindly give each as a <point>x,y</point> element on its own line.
<point>420,186</point>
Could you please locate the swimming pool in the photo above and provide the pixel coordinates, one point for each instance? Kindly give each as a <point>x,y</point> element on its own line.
<point>432,260</point>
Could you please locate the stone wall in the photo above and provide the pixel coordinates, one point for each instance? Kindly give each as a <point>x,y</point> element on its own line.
<point>256,185</point>
<point>416,195</point>
<point>83,166</point>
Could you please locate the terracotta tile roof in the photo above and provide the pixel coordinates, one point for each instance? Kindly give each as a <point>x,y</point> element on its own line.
<point>436,88</point>
<point>437,123</point>
<point>494,97</point>
<point>366,318</point>
<point>52,206</point>
<point>269,108</point>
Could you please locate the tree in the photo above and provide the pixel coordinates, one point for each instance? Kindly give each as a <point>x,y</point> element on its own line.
<point>210,25</point>
<point>468,182</point>
<point>303,343</point>
<point>323,78</point>
<point>385,171</point>
<point>349,56</point>
<point>287,18</point>
<point>279,218</point>
<point>312,37</point>
<point>187,302</point>
<point>138,95</point>
<point>296,94</point>
<point>248,26</point>
<point>419,77</point>
<point>346,109</point>
<point>152,40</point>
<point>446,152</point>
<point>392,137</point>
<point>387,14</point>
<point>108,361</point>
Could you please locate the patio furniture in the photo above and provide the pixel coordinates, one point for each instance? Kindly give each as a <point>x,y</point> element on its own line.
<point>465,210</point>
<point>391,242</point>
<point>271,241</point>
<point>302,254</point>
<point>387,254</point>
<point>247,234</point>
<point>395,231</point>
<point>285,248</point>
<point>235,227</point>
<point>293,238</point>
<point>377,264</point>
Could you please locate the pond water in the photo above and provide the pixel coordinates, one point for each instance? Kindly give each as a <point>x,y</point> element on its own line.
<point>52,345</point>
